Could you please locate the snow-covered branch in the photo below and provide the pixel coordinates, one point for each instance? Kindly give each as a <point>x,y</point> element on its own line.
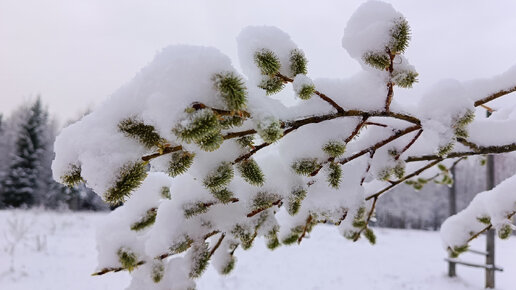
<point>191,148</point>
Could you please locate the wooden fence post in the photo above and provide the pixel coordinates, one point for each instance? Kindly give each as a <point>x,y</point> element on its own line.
<point>490,236</point>
<point>453,210</point>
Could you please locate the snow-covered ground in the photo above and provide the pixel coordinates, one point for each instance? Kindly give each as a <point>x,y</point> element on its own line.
<point>57,251</point>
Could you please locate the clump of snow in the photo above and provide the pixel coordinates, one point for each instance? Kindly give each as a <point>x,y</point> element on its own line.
<point>369,28</point>
<point>301,81</point>
<point>496,204</point>
<point>255,38</point>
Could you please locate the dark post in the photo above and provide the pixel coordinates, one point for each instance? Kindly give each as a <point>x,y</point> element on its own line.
<point>453,210</point>
<point>490,236</point>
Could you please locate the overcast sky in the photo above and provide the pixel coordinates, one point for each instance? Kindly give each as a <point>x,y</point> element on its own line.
<point>74,53</point>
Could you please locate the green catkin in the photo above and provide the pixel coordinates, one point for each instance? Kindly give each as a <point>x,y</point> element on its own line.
<point>334,148</point>
<point>220,177</point>
<point>505,231</point>
<point>462,122</point>
<point>457,250</point>
<point>251,172</point>
<point>165,192</point>
<point>201,124</point>
<point>378,60</point>
<point>270,130</point>
<point>399,169</point>
<point>158,270</point>
<point>298,62</point>
<point>461,133</point>
<point>466,119</point>
<point>244,234</point>
<point>180,162</point>
<point>359,219</point>
<point>193,209</point>
<point>305,166</point>
<point>210,142</point>
<point>228,122</point>
<point>73,176</point>
<point>306,92</point>
<point>145,134</point>
<point>484,219</point>
<point>400,36</point>
<point>271,85</point>
<point>294,200</point>
<point>181,245</point>
<point>246,141</point>
<point>267,61</point>
<point>293,236</point>
<point>127,259</point>
<point>232,90</point>
<point>405,79</point>
<point>130,177</point>
<point>351,235</point>
<point>230,265</point>
<point>445,149</point>
<point>145,221</point>
<point>264,200</point>
<point>385,173</point>
<point>334,174</point>
<point>370,236</point>
<point>224,195</point>
<point>200,259</point>
<point>272,238</point>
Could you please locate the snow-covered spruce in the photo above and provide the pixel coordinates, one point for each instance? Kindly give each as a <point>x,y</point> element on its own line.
<point>203,161</point>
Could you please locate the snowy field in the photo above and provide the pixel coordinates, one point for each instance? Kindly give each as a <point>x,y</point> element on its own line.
<point>57,251</point>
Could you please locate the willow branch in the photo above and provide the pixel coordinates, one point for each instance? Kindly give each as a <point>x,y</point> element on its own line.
<point>357,129</point>
<point>395,136</point>
<point>409,144</point>
<point>307,224</point>
<point>494,96</point>
<point>479,151</point>
<point>217,245</point>
<point>376,124</point>
<point>371,155</point>
<point>259,210</point>
<point>390,84</point>
<point>160,257</point>
<point>401,180</point>
<point>369,216</point>
<point>321,95</point>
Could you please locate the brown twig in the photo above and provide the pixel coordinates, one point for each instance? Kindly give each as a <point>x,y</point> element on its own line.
<point>368,219</point>
<point>357,129</point>
<point>165,150</point>
<point>395,183</point>
<point>390,84</point>
<point>371,155</point>
<point>395,136</point>
<point>259,210</point>
<point>160,257</point>
<point>307,224</point>
<point>376,124</point>
<point>409,144</point>
<point>321,95</point>
<point>221,112</point>
<point>495,96</point>
<point>217,245</point>
<point>479,151</point>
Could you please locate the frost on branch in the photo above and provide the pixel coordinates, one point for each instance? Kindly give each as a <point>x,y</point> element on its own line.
<point>204,163</point>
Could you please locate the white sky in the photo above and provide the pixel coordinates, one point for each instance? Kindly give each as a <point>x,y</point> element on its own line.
<point>75,52</point>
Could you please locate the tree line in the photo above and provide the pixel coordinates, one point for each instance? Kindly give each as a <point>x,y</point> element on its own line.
<point>26,154</point>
